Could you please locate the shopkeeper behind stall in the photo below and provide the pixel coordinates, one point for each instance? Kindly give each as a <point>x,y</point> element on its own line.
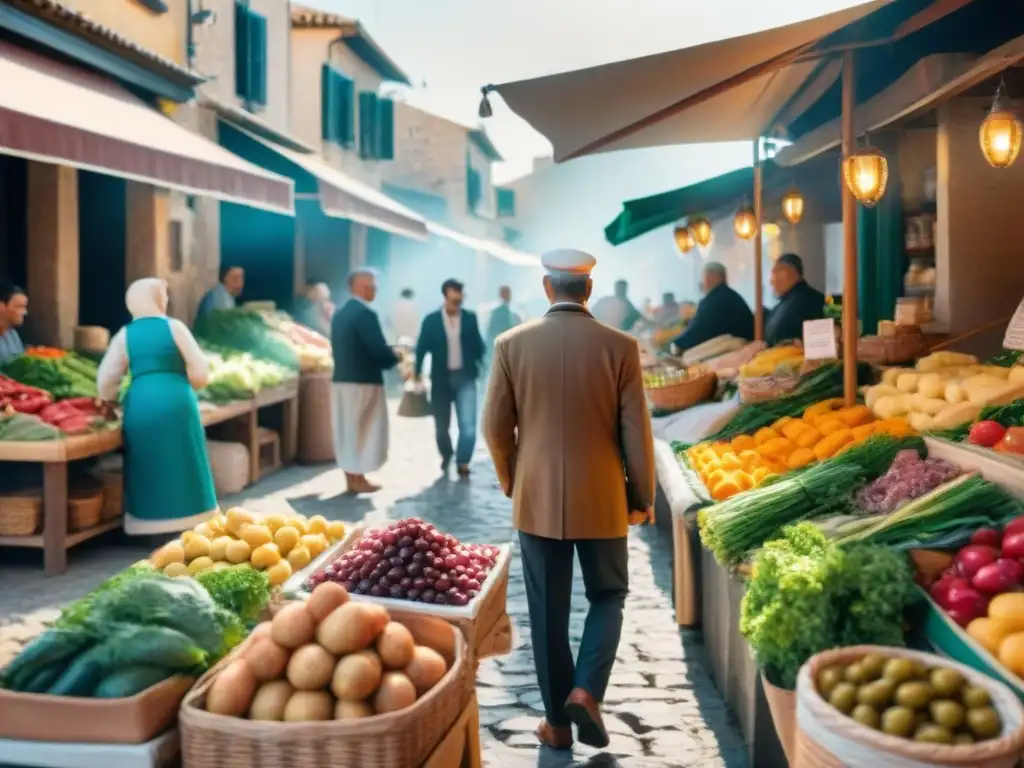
<point>224,294</point>
<point>168,481</point>
<point>798,301</point>
<point>13,308</point>
<point>722,312</point>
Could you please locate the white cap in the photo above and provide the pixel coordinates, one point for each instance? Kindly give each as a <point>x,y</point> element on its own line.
<point>567,262</point>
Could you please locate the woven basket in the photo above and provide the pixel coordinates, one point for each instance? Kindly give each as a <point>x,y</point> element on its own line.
<point>759,389</point>
<point>21,513</point>
<point>891,350</point>
<point>229,464</point>
<point>394,740</point>
<point>113,494</point>
<point>684,393</point>
<point>85,507</point>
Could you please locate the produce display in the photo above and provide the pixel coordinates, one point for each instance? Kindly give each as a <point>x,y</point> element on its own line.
<point>720,345</point>
<point>909,478</point>
<point>313,349</point>
<point>327,659</point>
<point>806,595</point>
<point>134,631</point>
<point>276,544</point>
<point>998,427</point>
<point>728,365</point>
<point>411,560</point>
<point>67,376</point>
<point>238,375</point>
<point>29,413</point>
<point>247,330</point>
<point>906,698</point>
<point>821,432</point>
<point>776,361</point>
<point>20,427</point>
<point>667,377</point>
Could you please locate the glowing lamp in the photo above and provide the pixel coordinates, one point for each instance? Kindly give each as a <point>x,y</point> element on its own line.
<point>793,206</point>
<point>1000,135</point>
<point>745,223</point>
<point>701,229</point>
<point>866,173</point>
<point>684,239</point>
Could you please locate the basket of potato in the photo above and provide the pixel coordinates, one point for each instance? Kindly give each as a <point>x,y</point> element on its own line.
<point>277,544</point>
<point>328,683</point>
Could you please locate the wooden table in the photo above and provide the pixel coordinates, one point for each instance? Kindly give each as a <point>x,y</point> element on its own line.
<point>287,396</point>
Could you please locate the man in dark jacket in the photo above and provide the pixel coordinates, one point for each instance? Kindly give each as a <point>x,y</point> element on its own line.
<point>798,301</point>
<point>451,336</point>
<point>721,312</point>
<point>359,408</point>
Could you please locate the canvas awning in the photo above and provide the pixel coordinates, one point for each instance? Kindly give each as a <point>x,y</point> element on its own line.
<point>53,112</point>
<point>490,247</point>
<point>345,197</point>
<point>727,90</point>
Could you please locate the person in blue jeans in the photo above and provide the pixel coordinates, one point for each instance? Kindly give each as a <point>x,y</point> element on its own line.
<point>451,336</point>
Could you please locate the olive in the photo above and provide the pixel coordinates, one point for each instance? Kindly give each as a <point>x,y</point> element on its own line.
<point>865,715</point>
<point>844,697</point>
<point>828,679</point>
<point>920,670</point>
<point>949,714</point>
<point>877,694</point>
<point>872,666</point>
<point>898,721</point>
<point>933,734</point>
<point>963,738</point>
<point>946,682</point>
<point>898,670</point>
<point>914,695</point>
<point>984,722</point>
<point>975,696</point>
<point>855,674</point>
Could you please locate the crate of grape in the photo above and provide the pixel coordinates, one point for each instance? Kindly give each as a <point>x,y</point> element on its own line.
<point>412,567</point>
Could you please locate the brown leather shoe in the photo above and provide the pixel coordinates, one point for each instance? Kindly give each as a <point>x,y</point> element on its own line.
<point>359,484</point>
<point>463,470</point>
<point>554,736</point>
<point>582,710</point>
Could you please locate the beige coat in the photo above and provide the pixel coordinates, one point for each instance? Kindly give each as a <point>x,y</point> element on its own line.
<point>584,456</point>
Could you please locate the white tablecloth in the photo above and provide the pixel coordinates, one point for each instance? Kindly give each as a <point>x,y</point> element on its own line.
<point>695,423</point>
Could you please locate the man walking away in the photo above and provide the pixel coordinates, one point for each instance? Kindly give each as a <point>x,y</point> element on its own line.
<point>451,336</point>
<point>618,311</point>
<point>502,317</point>
<point>405,318</point>
<point>567,426</point>
<point>359,408</point>
<point>721,312</point>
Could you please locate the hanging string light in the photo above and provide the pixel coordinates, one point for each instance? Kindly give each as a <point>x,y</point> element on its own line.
<point>1000,133</point>
<point>701,229</point>
<point>684,239</point>
<point>745,223</point>
<point>793,206</point>
<point>866,173</point>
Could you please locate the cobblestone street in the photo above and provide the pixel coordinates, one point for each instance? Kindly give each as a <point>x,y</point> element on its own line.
<point>661,708</point>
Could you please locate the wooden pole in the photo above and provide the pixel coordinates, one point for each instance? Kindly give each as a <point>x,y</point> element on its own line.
<point>758,276</point>
<point>849,239</point>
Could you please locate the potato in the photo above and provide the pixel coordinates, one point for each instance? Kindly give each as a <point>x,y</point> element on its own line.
<point>176,569</point>
<point>232,690</point>
<point>262,630</point>
<point>336,528</point>
<point>195,545</point>
<point>356,676</point>
<point>325,598</point>
<point>236,518</point>
<point>907,382</point>
<point>317,524</point>
<point>273,522</point>
<point>267,660</point>
<point>310,668</point>
<point>270,700</point>
<point>434,633</point>
<point>217,525</point>
<point>205,529</point>
<point>314,542</point>
<point>293,626</point>
<point>286,538</point>
<point>300,524</point>
<point>309,706</point>
<point>396,692</point>
<point>171,552</point>
<point>351,627</point>
<point>395,645</point>
<point>426,668</point>
<point>890,375</point>
<point>931,385</point>
<point>237,551</point>
<point>1016,375</point>
<point>279,573</point>
<point>265,555</point>
<point>955,393</point>
<point>255,535</point>
<point>872,394</point>
<point>200,564</point>
<point>919,403</point>
<point>219,548</point>
<point>299,557</point>
<point>921,422</point>
<point>889,407</point>
<point>352,710</point>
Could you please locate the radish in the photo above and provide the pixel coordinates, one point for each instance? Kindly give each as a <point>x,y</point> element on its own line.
<point>1013,569</point>
<point>973,557</point>
<point>967,600</point>
<point>993,580</point>
<point>1013,544</point>
<point>940,590</point>
<point>986,433</point>
<point>1014,526</point>
<point>988,537</point>
<point>963,618</point>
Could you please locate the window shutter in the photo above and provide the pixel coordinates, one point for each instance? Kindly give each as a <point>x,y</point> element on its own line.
<point>367,125</point>
<point>346,111</point>
<point>257,58</point>
<point>242,71</point>
<point>506,202</point>
<point>386,129</point>
<point>472,187</point>
<point>328,104</point>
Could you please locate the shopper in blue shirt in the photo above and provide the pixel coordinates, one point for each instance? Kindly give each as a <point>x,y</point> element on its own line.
<point>224,294</point>
<point>13,308</point>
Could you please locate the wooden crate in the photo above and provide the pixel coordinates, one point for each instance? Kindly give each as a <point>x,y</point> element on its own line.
<point>460,748</point>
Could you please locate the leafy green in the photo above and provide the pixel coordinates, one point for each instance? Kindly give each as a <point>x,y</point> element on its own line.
<point>243,591</point>
<point>75,614</point>
<point>807,595</point>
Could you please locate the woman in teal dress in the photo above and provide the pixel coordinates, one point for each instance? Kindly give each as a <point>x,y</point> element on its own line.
<point>168,482</point>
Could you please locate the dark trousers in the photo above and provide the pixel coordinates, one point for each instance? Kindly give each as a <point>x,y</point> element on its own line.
<point>459,391</point>
<point>547,566</point>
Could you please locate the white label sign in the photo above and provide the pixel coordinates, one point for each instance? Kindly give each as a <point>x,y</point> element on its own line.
<point>820,339</point>
<point>1014,338</point>
<point>907,313</point>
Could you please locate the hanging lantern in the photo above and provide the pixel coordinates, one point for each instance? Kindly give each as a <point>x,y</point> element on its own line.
<point>793,206</point>
<point>745,223</point>
<point>770,232</point>
<point>1000,134</point>
<point>701,229</point>
<point>866,172</point>
<point>684,239</point>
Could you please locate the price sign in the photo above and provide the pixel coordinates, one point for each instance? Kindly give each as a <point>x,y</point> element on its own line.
<point>820,339</point>
<point>1014,338</point>
<point>907,313</point>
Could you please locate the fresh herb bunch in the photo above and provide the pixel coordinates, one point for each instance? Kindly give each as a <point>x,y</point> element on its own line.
<point>242,590</point>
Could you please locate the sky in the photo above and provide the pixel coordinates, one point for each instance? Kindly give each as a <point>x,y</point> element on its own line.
<point>451,48</point>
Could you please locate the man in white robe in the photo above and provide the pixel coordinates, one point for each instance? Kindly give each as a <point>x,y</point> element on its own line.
<point>359,408</point>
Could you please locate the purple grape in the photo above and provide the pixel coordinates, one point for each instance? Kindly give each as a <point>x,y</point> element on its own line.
<point>412,594</point>
<point>460,569</point>
<point>351,586</point>
<point>406,582</point>
<point>462,582</point>
<point>405,541</point>
<point>406,552</point>
<point>331,571</point>
<point>459,598</point>
<point>366,571</point>
<point>419,557</point>
<point>379,571</point>
<point>435,547</point>
<point>396,574</point>
<point>414,569</point>
<point>451,562</point>
<point>443,584</point>
<point>462,560</point>
<point>384,581</point>
<point>378,591</point>
<point>421,545</point>
<point>396,561</point>
<point>389,552</point>
<point>428,596</point>
<point>431,573</point>
<point>397,592</point>
<point>365,585</point>
<point>472,593</point>
<point>437,562</point>
<point>419,583</point>
<point>366,545</point>
<point>378,546</point>
<point>389,538</point>
<point>472,584</point>
<point>440,599</point>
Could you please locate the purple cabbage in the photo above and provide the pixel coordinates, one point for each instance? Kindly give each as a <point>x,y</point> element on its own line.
<point>908,478</point>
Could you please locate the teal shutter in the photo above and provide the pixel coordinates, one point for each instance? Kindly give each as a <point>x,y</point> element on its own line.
<point>257,58</point>
<point>367,125</point>
<point>473,190</point>
<point>506,202</point>
<point>385,129</point>
<point>346,111</point>
<point>242,71</point>
<point>328,104</point>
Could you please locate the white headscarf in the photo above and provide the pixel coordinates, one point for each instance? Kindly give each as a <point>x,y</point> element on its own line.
<point>147,298</point>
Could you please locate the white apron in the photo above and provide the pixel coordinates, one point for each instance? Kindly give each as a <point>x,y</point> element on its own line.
<point>359,417</point>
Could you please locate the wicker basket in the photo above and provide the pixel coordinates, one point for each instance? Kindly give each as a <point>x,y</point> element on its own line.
<point>85,507</point>
<point>21,513</point>
<point>113,494</point>
<point>903,347</point>
<point>403,738</point>
<point>229,464</point>
<point>684,393</point>
<point>759,389</point>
